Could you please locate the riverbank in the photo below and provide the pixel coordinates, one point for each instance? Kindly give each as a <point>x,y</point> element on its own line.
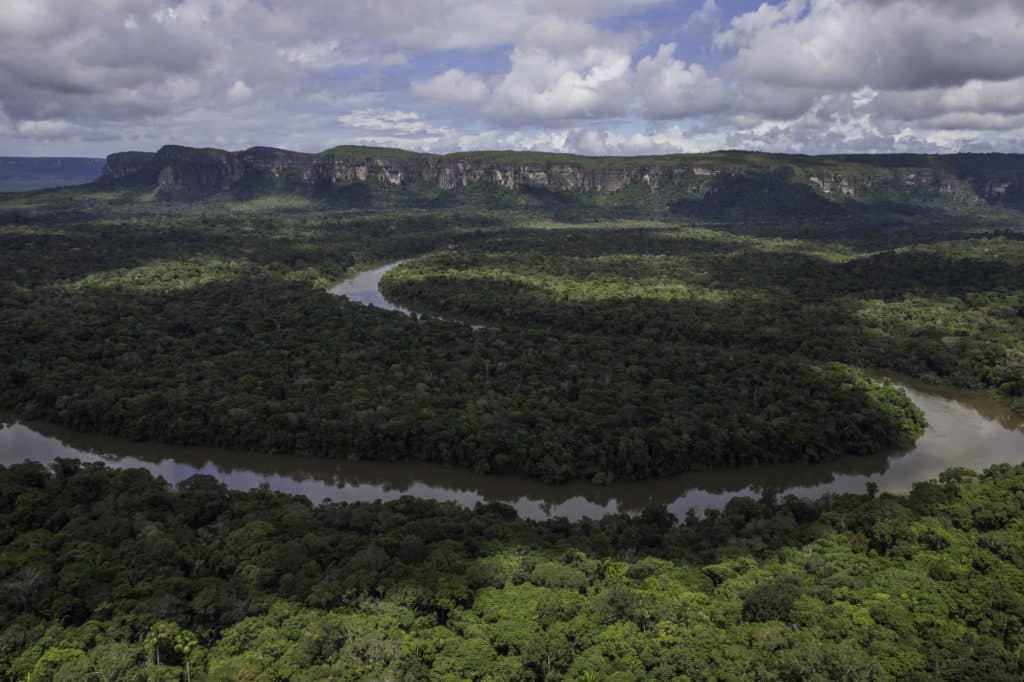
<point>964,430</point>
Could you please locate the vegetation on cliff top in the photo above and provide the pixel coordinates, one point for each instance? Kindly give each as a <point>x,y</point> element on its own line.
<point>771,186</point>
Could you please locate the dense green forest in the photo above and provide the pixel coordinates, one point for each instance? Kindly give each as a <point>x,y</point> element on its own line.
<point>113,575</point>
<point>738,323</point>
<point>199,324</point>
<point>949,311</point>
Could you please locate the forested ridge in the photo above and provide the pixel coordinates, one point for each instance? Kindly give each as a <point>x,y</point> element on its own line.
<point>113,575</point>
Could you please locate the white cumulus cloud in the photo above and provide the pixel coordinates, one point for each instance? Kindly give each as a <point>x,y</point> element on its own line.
<point>896,44</point>
<point>239,91</point>
<point>618,76</point>
<point>454,85</point>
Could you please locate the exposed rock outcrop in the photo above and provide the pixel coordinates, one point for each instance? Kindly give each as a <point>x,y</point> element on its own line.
<point>183,172</point>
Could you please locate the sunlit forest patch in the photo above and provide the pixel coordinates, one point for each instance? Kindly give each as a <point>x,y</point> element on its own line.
<point>207,583</point>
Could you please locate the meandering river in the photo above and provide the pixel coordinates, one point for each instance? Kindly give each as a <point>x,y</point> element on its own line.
<point>365,288</point>
<point>965,429</point>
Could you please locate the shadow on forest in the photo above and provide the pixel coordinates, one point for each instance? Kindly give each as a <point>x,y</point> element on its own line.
<point>740,264</point>
<point>38,257</point>
<point>773,301</point>
<point>262,364</point>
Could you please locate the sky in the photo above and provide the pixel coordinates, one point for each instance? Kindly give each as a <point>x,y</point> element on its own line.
<point>91,77</point>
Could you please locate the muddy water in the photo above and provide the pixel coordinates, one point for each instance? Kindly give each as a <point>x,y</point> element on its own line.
<point>965,429</point>
<point>365,288</point>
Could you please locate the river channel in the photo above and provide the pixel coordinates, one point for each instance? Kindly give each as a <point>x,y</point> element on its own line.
<point>965,429</point>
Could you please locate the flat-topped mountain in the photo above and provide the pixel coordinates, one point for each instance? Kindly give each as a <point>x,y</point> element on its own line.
<point>713,184</point>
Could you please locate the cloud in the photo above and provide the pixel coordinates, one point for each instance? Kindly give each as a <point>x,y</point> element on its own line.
<point>454,85</point>
<point>407,130</point>
<point>704,20</point>
<point>239,91</point>
<point>667,140</point>
<point>320,55</point>
<point>97,62</point>
<point>669,88</point>
<point>51,129</point>
<point>604,82</point>
<point>972,121</point>
<point>395,122</point>
<point>609,76</point>
<point>745,27</point>
<point>886,44</point>
<point>975,97</point>
<point>542,85</point>
<point>446,25</point>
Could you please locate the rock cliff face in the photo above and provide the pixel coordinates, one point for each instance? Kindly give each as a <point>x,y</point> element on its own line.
<point>182,172</point>
<point>126,164</point>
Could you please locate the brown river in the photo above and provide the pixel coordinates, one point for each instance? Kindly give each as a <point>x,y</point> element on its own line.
<point>965,429</point>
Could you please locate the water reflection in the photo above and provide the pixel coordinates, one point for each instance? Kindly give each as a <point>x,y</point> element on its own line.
<point>365,288</point>
<point>965,429</point>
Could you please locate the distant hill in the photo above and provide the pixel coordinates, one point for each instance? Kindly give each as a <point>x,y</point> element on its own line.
<point>721,185</point>
<point>23,173</point>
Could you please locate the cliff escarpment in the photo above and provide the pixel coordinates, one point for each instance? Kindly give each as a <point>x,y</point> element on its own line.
<point>716,184</point>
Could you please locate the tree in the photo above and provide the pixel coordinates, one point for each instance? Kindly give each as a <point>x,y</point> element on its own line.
<point>160,641</point>
<point>186,645</point>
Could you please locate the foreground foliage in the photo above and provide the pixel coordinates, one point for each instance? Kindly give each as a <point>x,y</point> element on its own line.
<point>113,575</point>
